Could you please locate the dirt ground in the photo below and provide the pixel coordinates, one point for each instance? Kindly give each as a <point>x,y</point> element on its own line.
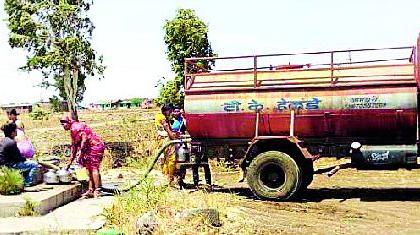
<point>350,202</point>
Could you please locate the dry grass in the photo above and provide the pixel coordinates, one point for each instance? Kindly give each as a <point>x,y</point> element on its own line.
<point>166,203</point>
<point>132,128</point>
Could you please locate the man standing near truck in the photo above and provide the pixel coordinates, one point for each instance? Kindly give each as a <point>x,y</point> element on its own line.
<point>178,126</point>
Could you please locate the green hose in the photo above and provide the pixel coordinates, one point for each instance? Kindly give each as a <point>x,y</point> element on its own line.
<point>149,169</point>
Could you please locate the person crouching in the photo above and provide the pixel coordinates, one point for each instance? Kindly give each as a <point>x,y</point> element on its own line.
<point>10,155</point>
<point>89,149</point>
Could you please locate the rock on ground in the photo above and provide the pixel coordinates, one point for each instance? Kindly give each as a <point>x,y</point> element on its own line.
<point>211,216</point>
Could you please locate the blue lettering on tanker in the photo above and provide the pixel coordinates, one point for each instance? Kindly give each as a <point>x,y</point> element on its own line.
<point>254,105</point>
<point>312,104</point>
<point>282,105</point>
<point>367,102</point>
<point>231,106</point>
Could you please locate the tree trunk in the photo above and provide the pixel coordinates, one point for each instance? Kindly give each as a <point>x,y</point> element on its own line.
<point>70,87</point>
<point>75,79</point>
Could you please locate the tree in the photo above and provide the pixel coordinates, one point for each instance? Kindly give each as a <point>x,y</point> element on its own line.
<point>185,36</point>
<point>57,37</point>
<point>136,101</point>
<point>55,103</point>
<point>170,93</point>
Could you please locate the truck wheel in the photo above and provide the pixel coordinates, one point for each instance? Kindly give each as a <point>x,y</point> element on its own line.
<point>273,175</point>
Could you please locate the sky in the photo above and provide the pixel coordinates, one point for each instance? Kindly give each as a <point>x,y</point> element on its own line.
<point>130,36</point>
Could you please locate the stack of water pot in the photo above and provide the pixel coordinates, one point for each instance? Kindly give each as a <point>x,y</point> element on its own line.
<point>53,176</point>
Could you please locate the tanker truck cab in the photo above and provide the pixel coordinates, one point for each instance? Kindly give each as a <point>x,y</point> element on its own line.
<point>290,109</point>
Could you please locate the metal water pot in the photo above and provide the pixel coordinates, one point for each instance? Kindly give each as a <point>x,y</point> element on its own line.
<point>182,153</point>
<point>51,177</point>
<point>64,176</point>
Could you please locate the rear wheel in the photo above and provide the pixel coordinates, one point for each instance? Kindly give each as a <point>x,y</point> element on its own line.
<point>274,175</point>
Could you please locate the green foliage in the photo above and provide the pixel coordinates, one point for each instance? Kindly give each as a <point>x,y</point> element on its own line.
<point>29,208</point>
<point>55,104</point>
<point>136,101</point>
<point>39,113</point>
<point>185,36</point>
<point>11,181</point>
<point>170,92</point>
<point>57,37</point>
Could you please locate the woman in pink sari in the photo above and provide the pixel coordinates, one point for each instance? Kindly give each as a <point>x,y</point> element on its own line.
<point>88,148</point>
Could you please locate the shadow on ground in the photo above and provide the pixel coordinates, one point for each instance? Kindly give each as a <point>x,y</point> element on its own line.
<point>317,195</point>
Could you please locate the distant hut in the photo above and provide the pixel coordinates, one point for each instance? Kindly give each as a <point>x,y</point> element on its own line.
<point>20,108</point>
<point>147,104</point>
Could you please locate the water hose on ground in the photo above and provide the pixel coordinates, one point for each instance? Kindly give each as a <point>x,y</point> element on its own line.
<point>116,190</point>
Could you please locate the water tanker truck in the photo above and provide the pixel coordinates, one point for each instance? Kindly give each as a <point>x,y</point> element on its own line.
<point>288,109</point>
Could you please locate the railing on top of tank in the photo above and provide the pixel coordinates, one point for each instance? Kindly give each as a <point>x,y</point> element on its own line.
<point>384,56</point>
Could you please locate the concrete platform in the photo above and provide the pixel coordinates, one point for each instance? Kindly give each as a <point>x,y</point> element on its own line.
<point>83,216</point>
<point>45,200</point>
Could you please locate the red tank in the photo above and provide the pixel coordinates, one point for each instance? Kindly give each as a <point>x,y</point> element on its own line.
<point>374,100</point>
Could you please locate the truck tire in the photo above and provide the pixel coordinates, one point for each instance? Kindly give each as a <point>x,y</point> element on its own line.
<point>274,175</point>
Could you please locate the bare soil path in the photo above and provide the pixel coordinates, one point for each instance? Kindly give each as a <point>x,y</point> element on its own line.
<point>350,202</point>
